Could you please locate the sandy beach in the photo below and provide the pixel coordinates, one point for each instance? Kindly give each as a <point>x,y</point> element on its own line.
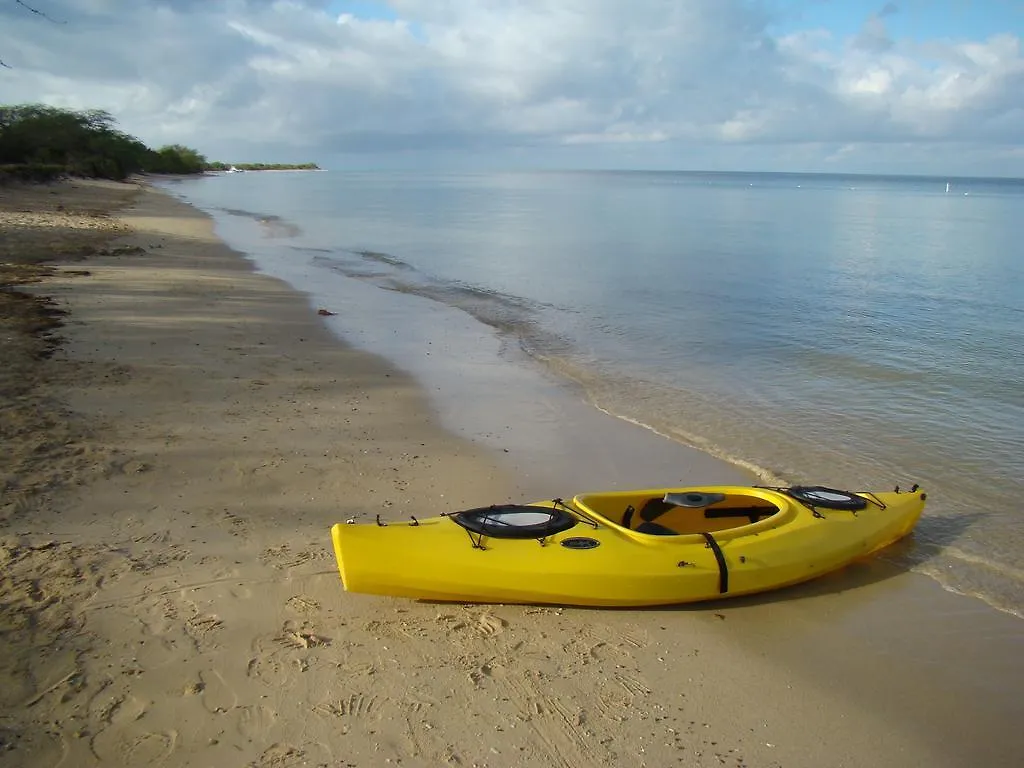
<point>172,465</point>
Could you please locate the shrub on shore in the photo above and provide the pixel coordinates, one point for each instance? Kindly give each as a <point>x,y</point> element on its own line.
<point>36,140</point>
<point>36,173</point>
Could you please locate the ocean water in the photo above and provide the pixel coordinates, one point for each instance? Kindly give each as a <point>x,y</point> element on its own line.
<point>849,331</point>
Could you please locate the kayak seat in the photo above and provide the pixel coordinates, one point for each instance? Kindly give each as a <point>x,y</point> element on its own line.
<point>654,529</point>
<point>753,513</point>
<point>654,509</point>
<point>650,511</point>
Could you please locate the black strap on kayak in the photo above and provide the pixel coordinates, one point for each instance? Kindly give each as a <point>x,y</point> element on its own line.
<point>723,568</point>
<point>576,513</point>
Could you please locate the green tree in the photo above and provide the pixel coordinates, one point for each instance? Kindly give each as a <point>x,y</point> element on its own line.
<point>81,143</point>
<point>175,158</point>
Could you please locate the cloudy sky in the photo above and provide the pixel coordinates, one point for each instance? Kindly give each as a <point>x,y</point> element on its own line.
<point>908,86</point>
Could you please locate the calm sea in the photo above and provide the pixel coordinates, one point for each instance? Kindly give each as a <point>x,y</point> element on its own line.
<point>844,330</point>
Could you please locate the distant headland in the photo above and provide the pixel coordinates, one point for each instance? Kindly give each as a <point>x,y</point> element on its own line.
<point>219,167</point>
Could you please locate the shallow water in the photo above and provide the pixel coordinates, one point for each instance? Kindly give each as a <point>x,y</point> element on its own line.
<point>849,331</point>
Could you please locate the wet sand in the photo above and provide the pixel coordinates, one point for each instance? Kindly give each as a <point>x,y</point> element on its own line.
<point>169,594</point>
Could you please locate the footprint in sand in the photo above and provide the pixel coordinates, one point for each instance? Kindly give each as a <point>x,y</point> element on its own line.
<point>128,747</point>
<point>241,592</point>
<point>489,625</point>
<point>634,686</point>
<point>418,703</point>
<point>302,604</point>
<point>217,696</point>
<point>123,740</point>
<point>269,669</point>
<point>156,537</point>
<point>254,722</point>
<point>635,639</point>
<point>284,557</point>
<point>355,705</point>
<point>269,664</point>
<point>158,618</point>
<point>200,627</point>
<point>281,756</point>
<point>116,709</point>
<point>614,704</point>
<point>296,635</point>
<point>149,748</point>
<point>480,673</point>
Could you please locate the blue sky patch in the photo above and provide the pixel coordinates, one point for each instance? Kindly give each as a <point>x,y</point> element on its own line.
<point>915,20</point>
<point>362,9</point>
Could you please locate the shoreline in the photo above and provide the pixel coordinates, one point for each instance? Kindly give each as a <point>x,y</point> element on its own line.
<point>202,618</point>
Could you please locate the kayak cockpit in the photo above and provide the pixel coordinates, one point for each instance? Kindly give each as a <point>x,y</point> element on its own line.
<point>677,513</point>
<point>516,521</point>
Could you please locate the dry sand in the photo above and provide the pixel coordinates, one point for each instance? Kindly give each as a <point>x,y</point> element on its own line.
<point>169,595</point>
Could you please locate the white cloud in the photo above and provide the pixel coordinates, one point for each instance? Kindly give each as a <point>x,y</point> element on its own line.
<point>597,76</point>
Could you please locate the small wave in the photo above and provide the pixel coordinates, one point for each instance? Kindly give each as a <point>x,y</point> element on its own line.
<point>274,226</point>
<point>1001,568</point>
<point>945,579</point>
<point>509,315</point>
<point>385,258</point>
<point>959,572</point>
<point>241,212</point>
<point>506,313</point>
<point>309,249</point>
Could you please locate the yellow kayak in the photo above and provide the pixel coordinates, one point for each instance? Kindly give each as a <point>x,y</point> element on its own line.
<point>625,548</point>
